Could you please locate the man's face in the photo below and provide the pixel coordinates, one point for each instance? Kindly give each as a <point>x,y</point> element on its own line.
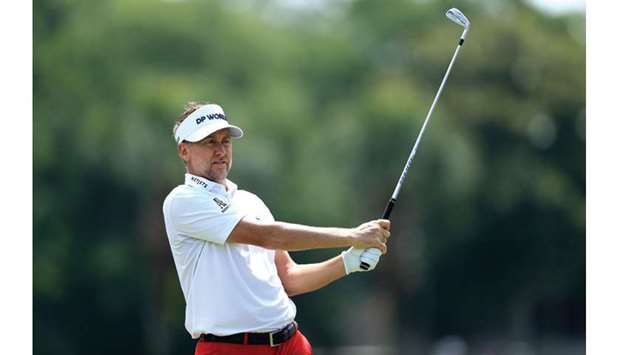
<point>210,158</point>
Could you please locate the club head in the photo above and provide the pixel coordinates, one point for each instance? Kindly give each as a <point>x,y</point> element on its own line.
<point>457,16</point>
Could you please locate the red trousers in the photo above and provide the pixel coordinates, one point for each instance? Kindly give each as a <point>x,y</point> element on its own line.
<point>296,345</point>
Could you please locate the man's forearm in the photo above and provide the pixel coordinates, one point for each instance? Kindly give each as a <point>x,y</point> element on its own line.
<point>309,277</point>
<point>290,236</point>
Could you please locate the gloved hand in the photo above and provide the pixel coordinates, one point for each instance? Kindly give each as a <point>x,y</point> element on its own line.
<point>353,257</point>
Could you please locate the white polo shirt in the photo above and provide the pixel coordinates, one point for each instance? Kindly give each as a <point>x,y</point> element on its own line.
<point>228,287</point>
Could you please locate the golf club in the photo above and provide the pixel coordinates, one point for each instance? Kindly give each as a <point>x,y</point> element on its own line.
<point>457,16</point>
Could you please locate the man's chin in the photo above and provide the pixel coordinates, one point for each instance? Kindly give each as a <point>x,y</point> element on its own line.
<point>219,178</point>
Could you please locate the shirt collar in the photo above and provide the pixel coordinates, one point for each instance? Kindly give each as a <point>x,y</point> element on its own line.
<point>210,186</point>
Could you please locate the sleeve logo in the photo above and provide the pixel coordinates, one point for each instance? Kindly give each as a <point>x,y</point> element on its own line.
<point>221,204</point>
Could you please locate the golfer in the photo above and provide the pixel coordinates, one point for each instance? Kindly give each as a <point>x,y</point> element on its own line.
<point>232,256</point>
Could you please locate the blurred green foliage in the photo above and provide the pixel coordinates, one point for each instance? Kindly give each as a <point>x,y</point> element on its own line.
<point>488,235</point>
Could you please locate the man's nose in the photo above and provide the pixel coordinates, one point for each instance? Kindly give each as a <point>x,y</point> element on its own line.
<point>219,148</point>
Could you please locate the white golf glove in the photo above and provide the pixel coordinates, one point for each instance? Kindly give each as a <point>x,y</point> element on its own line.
<point>353,257</point>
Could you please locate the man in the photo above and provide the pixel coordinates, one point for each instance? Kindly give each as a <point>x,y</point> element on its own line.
<point>232,257</point>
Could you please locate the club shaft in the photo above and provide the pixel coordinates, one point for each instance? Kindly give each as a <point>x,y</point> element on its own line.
<point>389,207</point>
<point>403,175</point>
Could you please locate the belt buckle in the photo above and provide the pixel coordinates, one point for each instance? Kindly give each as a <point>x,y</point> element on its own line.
<point>271,339</point>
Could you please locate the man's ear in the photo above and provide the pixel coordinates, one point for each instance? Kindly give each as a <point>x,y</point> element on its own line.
<point>183,150</point>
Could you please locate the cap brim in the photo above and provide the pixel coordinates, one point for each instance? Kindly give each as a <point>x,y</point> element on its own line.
<point>205,131</point>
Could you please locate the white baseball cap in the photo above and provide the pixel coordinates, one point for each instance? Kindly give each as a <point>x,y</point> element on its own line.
<point>202,122</point>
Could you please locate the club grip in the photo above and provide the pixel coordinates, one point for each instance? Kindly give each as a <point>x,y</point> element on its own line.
<point>386,215</point>
<point>388,209</point>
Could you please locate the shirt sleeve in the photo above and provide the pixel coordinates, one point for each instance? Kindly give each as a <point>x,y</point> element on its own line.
<point>202,218</point>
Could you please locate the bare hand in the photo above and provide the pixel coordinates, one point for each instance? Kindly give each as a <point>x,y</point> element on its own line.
<point>373,234</point>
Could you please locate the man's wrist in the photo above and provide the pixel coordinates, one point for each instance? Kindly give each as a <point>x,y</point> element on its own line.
<point>348,235</point>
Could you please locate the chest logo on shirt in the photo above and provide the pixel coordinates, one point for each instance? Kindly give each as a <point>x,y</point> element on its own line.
<point>223,205</point>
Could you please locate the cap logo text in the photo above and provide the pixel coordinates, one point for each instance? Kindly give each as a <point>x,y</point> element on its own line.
<point>211,116</point>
